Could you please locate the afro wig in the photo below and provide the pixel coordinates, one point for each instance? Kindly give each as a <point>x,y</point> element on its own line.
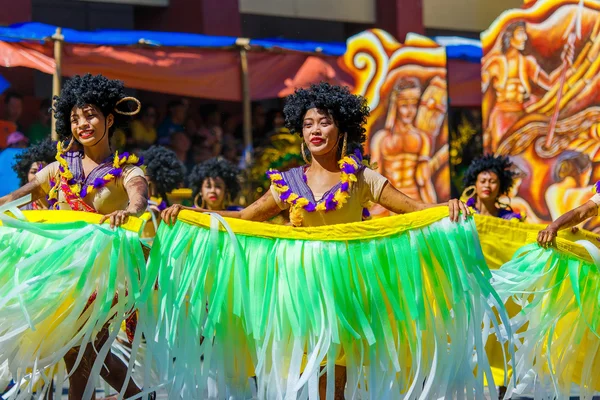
<point>500,165</point>
<point>164,169</point>
<point>215,168</point>
<point>44,151</point>
<point>349,111</point>
<point>78,91</point>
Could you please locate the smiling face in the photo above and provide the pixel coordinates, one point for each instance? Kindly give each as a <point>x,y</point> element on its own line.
<point>89,126</point>
<point>213,193</point>
<point>487,186</point>
<point>320,132</point>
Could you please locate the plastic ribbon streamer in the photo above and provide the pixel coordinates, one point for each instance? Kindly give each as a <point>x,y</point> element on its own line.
<point>400,302</point>
<point>49,269</point>
<point>559,338</point>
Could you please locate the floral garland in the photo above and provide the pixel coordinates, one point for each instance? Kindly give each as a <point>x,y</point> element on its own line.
<point>73,190</point>
<point>596,187</point>
<point>349,166</point>
<point>516,215</point>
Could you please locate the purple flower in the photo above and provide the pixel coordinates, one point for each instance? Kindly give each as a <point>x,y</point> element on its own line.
<point>358,154</point>
<point>597,187</point>
<point>71,181</point>
<point>140,162</point>
<point>471,202</point>
<point>61,169</point>
<point>348,168</point>
<point>310,207</point>
<point>51,203</point>
<point>83,192</point>
<point>345,186</point>
<point>98,183</point>
<point>330,203</point>
<point>365,213</point>
<point>124,156</point>
<point>162,206</point>
<point>116,172</point>
<point>280,182</point>
<point>285,195</point>
<point>304,177</point>
<point>52,183</point>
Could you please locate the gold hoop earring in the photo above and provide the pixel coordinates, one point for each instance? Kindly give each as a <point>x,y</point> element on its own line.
<point>468,193</point>
<point>68,148</point>
<point>345,145</point>
<point>304,153</point>
<point>196,201</point>
<point>129,113</point>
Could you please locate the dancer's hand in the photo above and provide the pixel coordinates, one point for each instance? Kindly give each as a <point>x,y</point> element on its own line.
<point>546,237</point>
<point>169,215</point>
<point>116,218</point>
<point>457,207</point>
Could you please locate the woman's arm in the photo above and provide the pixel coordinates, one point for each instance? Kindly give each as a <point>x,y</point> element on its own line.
<point>399,203</point>
<point>34,188</point>
<point>261,210</point>
<point>567,220</point>
<point>137,191</point>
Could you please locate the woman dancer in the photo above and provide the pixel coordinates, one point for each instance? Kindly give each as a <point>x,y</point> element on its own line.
<point>334,187</point>
<point>30,162</point>
<point>96,180</point>
<point>487,179</point>
<point>164,173</point>
<point>215,184</point>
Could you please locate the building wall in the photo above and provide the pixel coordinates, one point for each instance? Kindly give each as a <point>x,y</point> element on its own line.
<point>82,14</point>
<point>361,11</point>
<point>464,15</point>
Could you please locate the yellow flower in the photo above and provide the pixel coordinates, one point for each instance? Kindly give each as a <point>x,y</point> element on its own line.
<point>296,216</point>
<point>280,189</point>
<point>132,159</point>
<point>292,197</point>
<point>301,202</point>
<point>321,206</point>
<point>340,197</point>
<point>116,163</point>
<point>108,177</point>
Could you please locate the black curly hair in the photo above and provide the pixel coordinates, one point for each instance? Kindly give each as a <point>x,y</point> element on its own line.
<point>500,165</point>
<point>215,168</point>
<point>349,111</point>
<point>78,91</point>
<point>164,169</point>
<point>44,151</point>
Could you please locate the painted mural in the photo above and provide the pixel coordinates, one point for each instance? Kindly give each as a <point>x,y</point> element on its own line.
<point>407,133</point>
<point>541,103</point>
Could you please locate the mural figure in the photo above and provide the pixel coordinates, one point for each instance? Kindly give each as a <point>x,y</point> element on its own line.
<point>541,104</point>
<point>407,92</point>
<point>511,75</point>
<point>402,151</point>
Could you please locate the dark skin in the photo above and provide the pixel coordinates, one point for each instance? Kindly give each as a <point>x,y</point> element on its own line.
<point>90,128</point>
<point>322,137</point>
<point>574,217</point>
